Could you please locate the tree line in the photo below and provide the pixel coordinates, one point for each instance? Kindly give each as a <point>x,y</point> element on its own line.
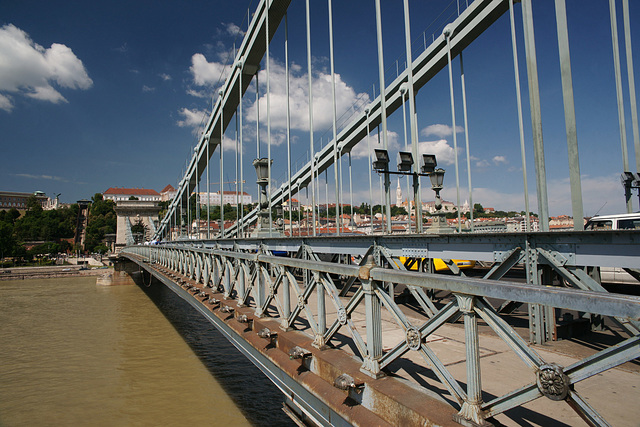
<point>54,229</point>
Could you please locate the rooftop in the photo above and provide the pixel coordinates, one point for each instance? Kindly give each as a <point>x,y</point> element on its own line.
<point>131,191</point>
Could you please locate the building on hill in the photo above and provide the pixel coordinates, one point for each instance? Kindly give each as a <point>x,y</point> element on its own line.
<point>11,199</point>
<point>228,197</point>
<point>292,204</point>
<point>119,194</point>
<point>168,193</point>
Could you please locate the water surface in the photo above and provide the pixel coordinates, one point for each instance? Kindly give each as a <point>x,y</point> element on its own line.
<point>73,353</point>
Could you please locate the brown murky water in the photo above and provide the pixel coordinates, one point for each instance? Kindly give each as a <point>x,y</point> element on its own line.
<point>73,353</point>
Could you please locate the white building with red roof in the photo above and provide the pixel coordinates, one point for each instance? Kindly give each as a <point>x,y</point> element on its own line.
<point>168,193</point>
<point>118,194</point>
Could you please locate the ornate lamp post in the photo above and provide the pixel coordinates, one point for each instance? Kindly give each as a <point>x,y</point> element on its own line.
<point>262,171</point>
<point>439,223</point>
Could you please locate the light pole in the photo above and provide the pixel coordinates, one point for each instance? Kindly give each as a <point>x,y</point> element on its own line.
<point>630,180</point>
<point>263,228</point>
<point>427,168</point>
<point>439,223</point>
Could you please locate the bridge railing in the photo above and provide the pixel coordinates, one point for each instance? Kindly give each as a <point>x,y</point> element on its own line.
<point>331,301</point>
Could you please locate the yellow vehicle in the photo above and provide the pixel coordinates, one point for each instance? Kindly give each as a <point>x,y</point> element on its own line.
<point>420,264</point>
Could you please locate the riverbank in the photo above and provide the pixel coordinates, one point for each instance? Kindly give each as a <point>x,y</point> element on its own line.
<point>53,271</point>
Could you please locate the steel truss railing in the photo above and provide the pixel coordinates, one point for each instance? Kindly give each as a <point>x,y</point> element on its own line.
<point>287,288</point>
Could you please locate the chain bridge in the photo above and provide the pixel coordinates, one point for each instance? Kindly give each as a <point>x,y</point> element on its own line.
<point>359,326</point>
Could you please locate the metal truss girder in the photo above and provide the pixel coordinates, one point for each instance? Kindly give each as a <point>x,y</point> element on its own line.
<point>626,307</point>
<point>506,263</point>
<point>572,299</point>
<point>507,334</point>
<point>387,302</point>
<point>425,330</point>
<point>347,286</point>
<point>586,412</point>
<point>357,338</point>
<point>443,374</point>
<point>511,400</point>
<point>586,248</point>
<point>605,359</point>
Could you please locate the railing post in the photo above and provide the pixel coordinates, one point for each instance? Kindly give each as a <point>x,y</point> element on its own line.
<point>286,301</point>
<point>241,283</point>
<point>470,410</point>
<point>319,341</point>
<point>227,279</point>
<point>259,287</point>
<point>371,365</point>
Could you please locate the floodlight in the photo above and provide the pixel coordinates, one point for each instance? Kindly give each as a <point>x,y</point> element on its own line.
<point>381,164</point>
<point>405,161</point>
<point>626,178</point>
<point>428,163</point>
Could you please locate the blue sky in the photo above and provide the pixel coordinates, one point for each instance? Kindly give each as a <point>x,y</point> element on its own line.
<point>98,95</point>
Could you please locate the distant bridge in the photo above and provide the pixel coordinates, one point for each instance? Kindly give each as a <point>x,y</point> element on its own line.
<point>360,329</point>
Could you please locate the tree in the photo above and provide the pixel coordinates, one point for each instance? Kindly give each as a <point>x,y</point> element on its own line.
<point>102,220</point>
<point>7,241</point>
<point>398,210</point>
<point>101,249</point>
<point>477,208</point>
<point>133,198</point>
<point>33,204</point>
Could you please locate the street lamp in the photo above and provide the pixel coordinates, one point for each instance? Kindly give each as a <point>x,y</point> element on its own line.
<point>262,171</point>
<point>630,180</point>
<point>439,222</point>
<point>427,167</point>
<point>627,179</point>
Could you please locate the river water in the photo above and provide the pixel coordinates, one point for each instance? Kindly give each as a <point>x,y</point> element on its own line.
<point>74,353</point>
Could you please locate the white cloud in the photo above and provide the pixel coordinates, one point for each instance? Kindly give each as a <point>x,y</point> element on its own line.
<point>500,160</point>
<point>122,49</point>
<point>441,148</point>
<point>347,100</point>
<point>199,93</point>
<point>361,150</point>
<point>233,29</point>
<point>165,77</point>
<point>46,93</point>
<point>483,164</point>
<point>492,198</point>
<point>440,130</point>
<point>192,118</point>
<point>5,103</point>
<point>29,69</point>
<point>208,73</point>
<point>146,88</point>
<point>229,145</point>
<point>47,177</point>
<point>601,194</point>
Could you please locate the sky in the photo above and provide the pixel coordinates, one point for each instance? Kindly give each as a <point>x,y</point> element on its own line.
<point>113,94</point>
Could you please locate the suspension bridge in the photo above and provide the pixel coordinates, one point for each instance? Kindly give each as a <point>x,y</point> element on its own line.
<point>358,327</point>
